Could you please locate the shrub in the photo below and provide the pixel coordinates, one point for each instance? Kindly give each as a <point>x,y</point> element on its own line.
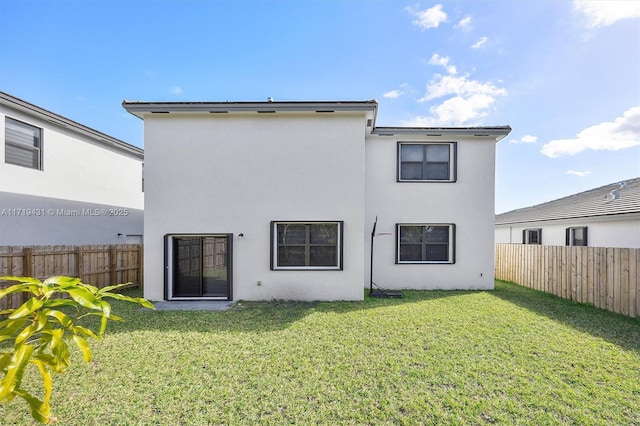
<point>41,328</point>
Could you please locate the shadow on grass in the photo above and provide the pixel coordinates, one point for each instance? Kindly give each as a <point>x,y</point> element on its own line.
<point>614,328</point>
<point>253,317</point>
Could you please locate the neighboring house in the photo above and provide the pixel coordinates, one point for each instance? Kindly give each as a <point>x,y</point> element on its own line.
<point>277,200</point>
<point>62,183</point>
<point>608,216</point>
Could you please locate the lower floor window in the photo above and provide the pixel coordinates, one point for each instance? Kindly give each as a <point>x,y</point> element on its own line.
<point>532,236</point>
<point>306,245</point>
<point>576,236</point>
<point>425,243</point>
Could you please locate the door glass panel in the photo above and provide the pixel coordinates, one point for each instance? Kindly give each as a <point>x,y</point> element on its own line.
<point>214,272</point>
<point>187,267</point>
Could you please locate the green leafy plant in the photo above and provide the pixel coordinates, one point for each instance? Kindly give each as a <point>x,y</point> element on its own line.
<point>41,328</point>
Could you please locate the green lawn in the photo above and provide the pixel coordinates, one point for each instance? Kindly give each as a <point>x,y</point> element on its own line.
<point>509,356</point>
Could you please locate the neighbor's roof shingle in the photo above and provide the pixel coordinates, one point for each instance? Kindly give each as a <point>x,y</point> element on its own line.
<point>595,202</point>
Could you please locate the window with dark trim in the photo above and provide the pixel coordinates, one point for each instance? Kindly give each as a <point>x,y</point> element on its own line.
<point>576,236</point>
<point>425,243</point>
<point>22,144</point>
<point>426,162</point>
<point>532,236</point>
<point>306,245</point>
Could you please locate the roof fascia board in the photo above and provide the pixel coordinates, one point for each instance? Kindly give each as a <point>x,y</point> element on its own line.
<point>139,109</point>
<point>101,138</point>
<point>498,132</point>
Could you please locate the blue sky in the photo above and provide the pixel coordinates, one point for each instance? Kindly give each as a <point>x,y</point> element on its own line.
<point>564,74</point>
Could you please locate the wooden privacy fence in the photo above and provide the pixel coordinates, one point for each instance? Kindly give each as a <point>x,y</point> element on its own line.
<point>608,278</point>
<point>100,265</point>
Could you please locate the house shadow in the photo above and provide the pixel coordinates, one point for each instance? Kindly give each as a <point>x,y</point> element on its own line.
<point>614,328</point>
<point>254,317</point>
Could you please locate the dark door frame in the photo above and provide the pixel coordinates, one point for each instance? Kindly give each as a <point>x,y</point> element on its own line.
<point>168,264</point>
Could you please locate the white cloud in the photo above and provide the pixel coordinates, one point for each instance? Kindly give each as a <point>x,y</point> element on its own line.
<point>600,13</point>
<point>454,111</point>
<point>525,139</point>
<point>443,61</point>
<point>464,24</point>
<point>176,90</point>
<point>428,18</point>
<point>579,174</point>
<point>622,133</point>
<point>459,85</point>
<point>468,100</point>
<point>393,94</point>
<point>480,43</point>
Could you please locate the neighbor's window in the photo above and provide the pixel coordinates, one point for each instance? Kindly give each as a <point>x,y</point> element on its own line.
<point>576,236</point>
<point>425,243</point>
<point>426,162</point>
<point>306,245</point>
<point>22,144</point>
<point>532,236</point>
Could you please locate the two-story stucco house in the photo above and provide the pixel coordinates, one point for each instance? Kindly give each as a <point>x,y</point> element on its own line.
<point>276,200</point>
<point>64,183</point>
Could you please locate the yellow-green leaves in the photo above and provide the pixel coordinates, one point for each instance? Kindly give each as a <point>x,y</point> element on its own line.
<point>40,329</point>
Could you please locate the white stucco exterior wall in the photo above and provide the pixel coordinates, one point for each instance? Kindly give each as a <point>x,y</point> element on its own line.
<point>74,168</point>
<point>468,203</point>
<point>235,173</point>
<point>614,231</point>
<point>88,190</point>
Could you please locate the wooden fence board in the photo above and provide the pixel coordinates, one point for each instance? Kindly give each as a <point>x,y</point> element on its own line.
<point>100,265</point>
<point>609,278</point>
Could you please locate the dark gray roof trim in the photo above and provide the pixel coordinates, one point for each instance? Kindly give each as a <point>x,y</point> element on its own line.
<point>44,114</point>
<point>138,108</point>
<point>620,198</point>
<point>498,132</point>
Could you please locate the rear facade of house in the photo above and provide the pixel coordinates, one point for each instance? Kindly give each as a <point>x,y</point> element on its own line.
<point>277,200</point>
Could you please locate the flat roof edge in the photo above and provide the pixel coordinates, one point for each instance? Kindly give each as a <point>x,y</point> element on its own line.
<point>138,107</point>
<point>443,131</point>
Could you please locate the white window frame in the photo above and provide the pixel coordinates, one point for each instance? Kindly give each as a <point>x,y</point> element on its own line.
<point>451,249</point>
<point>35,147</point>
<point>275,244</point>
<point>453,148</point>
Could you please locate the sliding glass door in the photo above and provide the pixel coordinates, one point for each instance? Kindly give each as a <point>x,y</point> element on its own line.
<point>200,266</point>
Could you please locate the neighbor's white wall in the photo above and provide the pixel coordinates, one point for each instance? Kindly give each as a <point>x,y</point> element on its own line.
<point>74,168</point>
<point>467,203</point>
<point>602,232</point>
<point>234,173</point>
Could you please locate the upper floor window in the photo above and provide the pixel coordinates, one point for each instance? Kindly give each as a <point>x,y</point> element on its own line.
<point>306,245</point>
<point>425,243</point>
<point>22,144</point>
<point>532,236</point>
<point>426,162</point>
<point>576,236</point>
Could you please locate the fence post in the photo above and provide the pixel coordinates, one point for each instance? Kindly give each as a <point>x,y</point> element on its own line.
<point>141,266</point>
<point>27,267</point>
<point>113,264</point>
<point>80,262</point>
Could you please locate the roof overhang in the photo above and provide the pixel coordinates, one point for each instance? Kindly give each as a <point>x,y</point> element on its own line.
<point>43,114</point>
<point>497,132</point>
<point>140,109</point>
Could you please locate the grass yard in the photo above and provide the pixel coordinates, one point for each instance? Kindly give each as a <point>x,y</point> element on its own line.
<point>510,356</point>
